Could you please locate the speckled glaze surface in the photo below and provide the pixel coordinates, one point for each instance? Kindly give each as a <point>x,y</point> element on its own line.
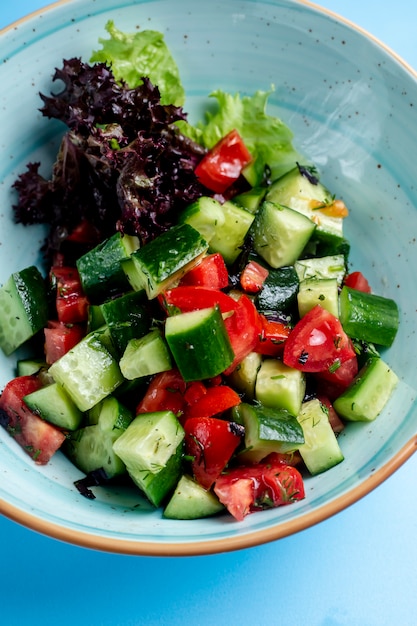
<point>352,106</point>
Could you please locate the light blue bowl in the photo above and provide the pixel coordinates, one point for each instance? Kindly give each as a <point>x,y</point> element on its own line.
<point>352,105</point>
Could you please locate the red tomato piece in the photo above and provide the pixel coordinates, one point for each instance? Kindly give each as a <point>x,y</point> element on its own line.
<point>335,421</point>
<point>60,338</point>
<point>245,489</point>
<point>356,280</point>
<point>71,302</point>
<point>215,400</point>
<point>272,337</point>
<point>317,343</point>
<point>343,375</point>
<point>194,391</point>
<point>224,163</point>
<point>253,277</point>
<point>84,232</point>
<point>165,393</point>
<point>38,438</point>
<point>210,272</point>
<point>211,442</point>
<point>190,298</point>
<point>244,328</point>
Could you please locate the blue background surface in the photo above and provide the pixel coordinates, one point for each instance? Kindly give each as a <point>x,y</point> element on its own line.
<point>356,569</point>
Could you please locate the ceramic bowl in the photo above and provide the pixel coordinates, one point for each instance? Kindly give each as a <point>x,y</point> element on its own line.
<point>351,104</point>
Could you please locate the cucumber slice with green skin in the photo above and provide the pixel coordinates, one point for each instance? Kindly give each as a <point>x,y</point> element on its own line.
<point>95,317</point>
<point>191,501</point>
<point>199,343</point>
<point>298,192</point>
<point>229,238</point>
<point>368,317</point>
<point>280,234</point>
<point>371,389</point>
<point>320,450</point>
<point>279,291</point>
<point>152,448</point>
<point>267,430</point>
<point>324,292</point>
<point>88,372</point>
<point>205,215</point>
<point>251,200</point>
<point>145,356</point>
<point>54,405</point>
<point>243,377</point>
<point>320,268</point>
<point>127,318</point>
<point>164,260</point>
<point>23,308</point>
<point>27,367</point>
<point>101,272</point>
<point>91,448</point>
<point>280,386</point>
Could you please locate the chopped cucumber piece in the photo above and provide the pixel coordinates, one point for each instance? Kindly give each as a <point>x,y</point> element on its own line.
<point>166,259</point>
<point>324,292</point>
<point>331,266</point>
<point>296,191</point>
<point>199,343</point>
<point>267,430</point>
<point>27,367</point>
<point>127,318</point>
<point>280,234</point>
<point>145,356</point>
<point>279,291</point>
<point>23,308</point>
<point>229,239</point>
<point>191,501</point>
<point>251,200</point>
<point>365,398</point>
<point>243,377</point>
<point>91,448</point>
<point>53,404</point>
<point>205,215</point>
<point>101,271</point>
<point>88,372</point>
<point>280,386</point>
<point>368,317</point>
<point>151,449</point>
<point>321,450</point>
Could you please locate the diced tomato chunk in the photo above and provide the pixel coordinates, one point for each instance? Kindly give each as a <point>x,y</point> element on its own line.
<point>84,232</point>
<point>244,328</point>
<point>60,338</point>
<point>38,438</point>
<point>165,393</point>
<point>211,442</point>
<point>245,489</point>
<point>71,302</point>
<point>224,163</point>
<point>253,277</point>
<point>191,298</point>
<point>335,421</point>
<point>210,272</point>
<point>356,280</point>
<point>272,337</point>
<point>317,343</point>
<point>213,401</point>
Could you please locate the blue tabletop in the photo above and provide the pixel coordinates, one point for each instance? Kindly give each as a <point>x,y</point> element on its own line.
<point>358,568</point>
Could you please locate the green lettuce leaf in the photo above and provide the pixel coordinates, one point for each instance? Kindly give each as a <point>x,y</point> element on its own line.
<point>144,53</point>
<point>267,138</point>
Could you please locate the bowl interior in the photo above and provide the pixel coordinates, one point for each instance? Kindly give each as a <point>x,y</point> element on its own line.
<point>350,103</point>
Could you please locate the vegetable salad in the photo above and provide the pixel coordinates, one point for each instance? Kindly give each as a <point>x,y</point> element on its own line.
<point>198,332</point>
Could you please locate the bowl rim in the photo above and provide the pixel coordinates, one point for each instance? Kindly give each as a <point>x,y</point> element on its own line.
<point>254,538</point>
<point>215,546</point>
